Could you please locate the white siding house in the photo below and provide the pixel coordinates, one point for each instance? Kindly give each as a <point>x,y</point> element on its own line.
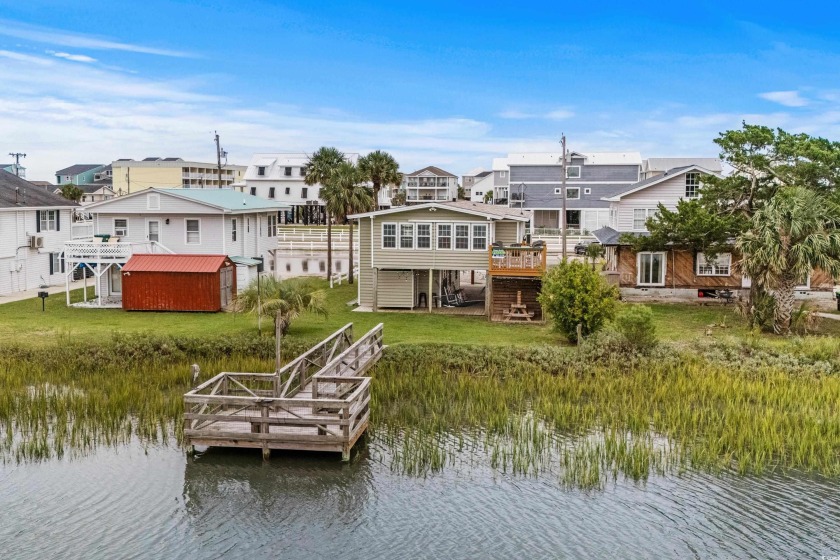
<point>187,221</point>
<point>34,226</point>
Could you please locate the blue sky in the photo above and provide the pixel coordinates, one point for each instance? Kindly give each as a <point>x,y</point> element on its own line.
<point>452,84</point>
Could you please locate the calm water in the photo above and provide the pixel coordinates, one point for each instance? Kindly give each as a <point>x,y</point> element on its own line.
<point>157,503</point>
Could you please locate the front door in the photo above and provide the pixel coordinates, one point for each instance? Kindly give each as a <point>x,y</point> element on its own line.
<point>226,285</point>
<point>115,280</point>
<point>153,230</point>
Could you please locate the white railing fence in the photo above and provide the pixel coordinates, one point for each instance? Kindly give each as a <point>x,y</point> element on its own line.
<point>338,277</point>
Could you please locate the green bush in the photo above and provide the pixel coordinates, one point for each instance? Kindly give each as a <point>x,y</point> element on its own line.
<point>573,294</point>
<point>635,324</point>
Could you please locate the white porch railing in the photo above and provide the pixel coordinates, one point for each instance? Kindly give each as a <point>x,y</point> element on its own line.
<point>89,251</point>
<point>81,230</point>
<point>339,277</point>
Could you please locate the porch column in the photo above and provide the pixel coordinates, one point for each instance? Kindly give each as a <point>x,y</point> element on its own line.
<point>375,288</point>
<point>67,284</point>
<point>430,298</point>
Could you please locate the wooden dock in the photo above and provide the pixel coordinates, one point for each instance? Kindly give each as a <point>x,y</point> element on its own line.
<point>320,401</point>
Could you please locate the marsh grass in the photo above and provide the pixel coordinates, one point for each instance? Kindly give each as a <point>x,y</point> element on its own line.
<point>586,416</point>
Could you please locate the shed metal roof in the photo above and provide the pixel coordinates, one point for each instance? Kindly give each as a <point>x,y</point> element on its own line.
<point>174,263</point>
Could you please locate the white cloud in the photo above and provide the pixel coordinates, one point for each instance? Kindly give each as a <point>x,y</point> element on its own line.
<point>73,57</point>
<point>49,36</point>
<point>786,98</point>
<point>555,115</point>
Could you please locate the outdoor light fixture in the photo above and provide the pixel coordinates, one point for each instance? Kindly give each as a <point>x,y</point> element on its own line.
<point>167,221</point>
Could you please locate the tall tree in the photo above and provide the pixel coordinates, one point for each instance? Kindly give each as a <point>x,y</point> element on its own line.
<point>791,235</point>
<point>319,170</point>
<point>284,299</point>
<point>381,169</point>
<point>346,194</point>
<point>71,192</point>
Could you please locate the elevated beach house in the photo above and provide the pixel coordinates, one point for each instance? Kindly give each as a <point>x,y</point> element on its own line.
<point>674,272</point>
<point>431,257</point>
<point>181,221</point>
<point>34,225</point>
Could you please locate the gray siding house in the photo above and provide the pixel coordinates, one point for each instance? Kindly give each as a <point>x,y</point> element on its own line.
<point>409,256</point>
<point>535,184</point>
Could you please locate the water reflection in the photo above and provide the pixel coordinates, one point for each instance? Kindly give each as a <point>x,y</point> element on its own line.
<point>313,264</point>
<point>136,502</point>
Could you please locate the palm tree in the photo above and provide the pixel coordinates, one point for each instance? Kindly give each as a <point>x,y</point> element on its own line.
<point>381,169</point>
<point>795,232</point>
<point>345,195</point>
<point>319,170</point>
<point>284,299</point>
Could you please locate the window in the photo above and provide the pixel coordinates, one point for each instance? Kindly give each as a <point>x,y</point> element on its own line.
<point>479,237</point>
<point>587,191</point>
<point>270,192</point>
<point>573,172</point>
<point>406,236</point>
<point>692,184</point>
<point>304,192</point>
<point>502,173</point>
<point>288,191</point>
<point>721,265</point>
<point>424,236</point>
<point>153,202</point>
<point>193,232</point>
<point>640,216</point>
<point>253,191</point>
<point>248,225</point>
<point>302,171</point>
<point>572,193</point>
<point>261,171</point>
<point>287,172</point>
<point>272,225</point>
<point>48,220</point>
<point>462,236</point>
<point>233,229</point>
<point>558,190</point>
<point>389,236</point>
<point>120,227</point>
<point>56,263</point>
<point>651,269</point>
<point>444,236</point>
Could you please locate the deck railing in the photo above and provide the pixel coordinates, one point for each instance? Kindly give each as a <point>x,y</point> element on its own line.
<point>89,251</point>
<point>516,261</point>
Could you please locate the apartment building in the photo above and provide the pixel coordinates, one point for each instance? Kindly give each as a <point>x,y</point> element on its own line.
<point>280,177</point>
<point>130,176</point>
<point>430,184</point>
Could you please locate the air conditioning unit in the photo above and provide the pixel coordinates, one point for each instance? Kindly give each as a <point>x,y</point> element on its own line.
<point>36,242</point>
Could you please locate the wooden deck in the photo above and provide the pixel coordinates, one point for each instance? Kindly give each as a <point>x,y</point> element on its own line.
<point>318,402</point>
<point>516,261</point>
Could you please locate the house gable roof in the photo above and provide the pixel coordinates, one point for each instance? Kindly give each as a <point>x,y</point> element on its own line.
<point>488,211</point>
<point>225,200</point>
<point>157,262</point>
<point>671,173</point>
<point>28,195</point>
<point>431,169</point>
<point>78,168</point>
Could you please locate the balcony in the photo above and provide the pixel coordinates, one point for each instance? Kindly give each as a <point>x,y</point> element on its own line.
<point>516,261</point>
<point>99,252</point>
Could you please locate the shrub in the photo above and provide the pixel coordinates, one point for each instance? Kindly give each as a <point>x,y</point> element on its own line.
<point>635,324</point>
<point>574,294</point>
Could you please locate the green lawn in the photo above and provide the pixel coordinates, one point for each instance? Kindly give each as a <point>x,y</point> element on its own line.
<point>23,322</point>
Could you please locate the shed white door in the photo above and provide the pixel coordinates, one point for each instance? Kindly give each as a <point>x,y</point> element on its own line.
<point>226,285</point>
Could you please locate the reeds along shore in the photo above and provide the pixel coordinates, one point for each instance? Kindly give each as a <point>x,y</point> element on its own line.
<point>585,415</point>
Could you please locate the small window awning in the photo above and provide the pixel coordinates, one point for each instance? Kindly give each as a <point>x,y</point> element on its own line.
<point>245,261</point>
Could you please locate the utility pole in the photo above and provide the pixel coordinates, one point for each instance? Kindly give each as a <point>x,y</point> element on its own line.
<point>563,191</point>
<point>17,156</point>
<point>219,153</point>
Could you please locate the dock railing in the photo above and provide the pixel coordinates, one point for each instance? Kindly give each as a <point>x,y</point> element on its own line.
<point>318,402</point>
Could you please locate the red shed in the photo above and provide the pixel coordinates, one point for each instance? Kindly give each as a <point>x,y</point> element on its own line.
<point>178,283</point>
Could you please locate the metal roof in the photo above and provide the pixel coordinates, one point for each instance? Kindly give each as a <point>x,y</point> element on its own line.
<point>592,158</point>
<point>247,261</point>
<point>226,198</point>
<point>174,263</point>
<point>491,211</point>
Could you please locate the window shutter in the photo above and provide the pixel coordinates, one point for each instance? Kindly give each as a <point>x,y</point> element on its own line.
<point>38,221</point>
<point>52,271</point>
<point>58,220</point>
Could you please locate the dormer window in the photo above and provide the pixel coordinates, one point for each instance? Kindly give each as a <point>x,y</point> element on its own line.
<point>287,172</point>
<point>692,185</point>
<point>261,171</point>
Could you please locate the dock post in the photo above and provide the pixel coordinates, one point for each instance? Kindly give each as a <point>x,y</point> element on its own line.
<point>266,453</point>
